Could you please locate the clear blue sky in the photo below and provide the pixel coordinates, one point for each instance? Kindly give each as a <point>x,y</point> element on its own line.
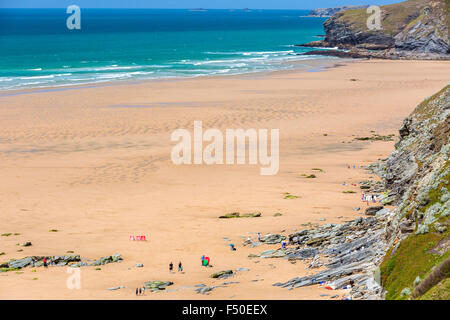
<point>211,4</point>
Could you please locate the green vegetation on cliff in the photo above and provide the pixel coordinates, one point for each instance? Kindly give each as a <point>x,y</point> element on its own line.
<point>417,265</point>
<point>396,16</point>
<point>414,258</point>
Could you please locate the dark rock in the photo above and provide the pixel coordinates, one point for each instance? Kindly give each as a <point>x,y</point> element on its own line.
<point>272,238</point>
<point>371,211</point>
<point>109,259</point>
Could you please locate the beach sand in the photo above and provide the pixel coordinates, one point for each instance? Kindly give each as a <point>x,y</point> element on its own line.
<point>94,164</point>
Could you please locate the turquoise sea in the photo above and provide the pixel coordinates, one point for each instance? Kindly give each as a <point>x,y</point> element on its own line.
<point>38,50</point>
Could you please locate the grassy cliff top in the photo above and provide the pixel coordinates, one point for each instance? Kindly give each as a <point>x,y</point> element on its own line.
<point>395,17</point>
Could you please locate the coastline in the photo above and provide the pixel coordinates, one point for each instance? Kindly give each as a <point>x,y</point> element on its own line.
<point>93,163</point>
<point>323,62</point>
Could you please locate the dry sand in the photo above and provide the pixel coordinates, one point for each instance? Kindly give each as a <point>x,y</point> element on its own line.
<point>94,163</point>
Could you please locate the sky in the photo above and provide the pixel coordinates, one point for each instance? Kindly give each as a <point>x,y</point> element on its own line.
<point>173,4</point>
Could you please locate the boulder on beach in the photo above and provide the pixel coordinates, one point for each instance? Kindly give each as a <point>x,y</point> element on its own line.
<point>157,285</point>
<point>222,274</point>
<point>371,211</point>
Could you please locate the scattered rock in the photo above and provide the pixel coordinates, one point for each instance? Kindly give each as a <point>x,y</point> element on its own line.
<point>272,238</point>
<point>238,215</point>
<point>116,288</point>
<point>222,274</point>
<point>109,259</point>
<point>157,285</point>
<point>204,290</point>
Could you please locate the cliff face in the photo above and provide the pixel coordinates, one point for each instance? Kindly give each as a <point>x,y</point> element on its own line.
<point>411,29</point>
<point>417,177</point>
<point>428,32</point>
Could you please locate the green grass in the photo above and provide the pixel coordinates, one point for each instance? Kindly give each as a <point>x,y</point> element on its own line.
<point>287,195</point>
<point>6,234</point>
<point>8,269</point>
<point>411,259</point>
<point>425,109</point>
<point>441,291</point>
<point>311,176</point>
<point>348,191</point>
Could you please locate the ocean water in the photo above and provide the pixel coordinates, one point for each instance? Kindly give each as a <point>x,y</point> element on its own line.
<point>38,50</point>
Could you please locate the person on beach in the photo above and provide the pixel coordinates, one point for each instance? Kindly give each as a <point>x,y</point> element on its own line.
<point>170,266</point>
<point>140,291</point>
<point>232,247</point>
<point>259,237</point>
<point>45,263</point>
<point>180,267</point>
<point>137,291</point>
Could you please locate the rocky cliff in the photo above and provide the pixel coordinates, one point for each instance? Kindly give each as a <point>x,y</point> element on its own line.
<point>415,29</point>
<point>329,12</point>
<point>417,179</point>
<point>399,253</point>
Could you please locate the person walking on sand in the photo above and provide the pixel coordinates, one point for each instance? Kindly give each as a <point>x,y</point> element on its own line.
<point>137,291</point>
<point>180,267</point>
<point>45,263</point>
<point>170,266</point>
<point>140,291</point>
<point>259,237</point>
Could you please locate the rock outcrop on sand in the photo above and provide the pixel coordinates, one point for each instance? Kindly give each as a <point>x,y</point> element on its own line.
<point>157,285</point>
<point>60,261</point>
<point>350,252</point>
<point>387,254</point>
<point>233,215</point>
<point>414,29</point>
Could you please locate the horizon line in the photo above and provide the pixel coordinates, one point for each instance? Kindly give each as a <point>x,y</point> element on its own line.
<point>166,8</point>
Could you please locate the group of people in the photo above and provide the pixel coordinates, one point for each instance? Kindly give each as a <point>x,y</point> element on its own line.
<point>180,267</point>
<point>140,291</point>
<point>369,197</point>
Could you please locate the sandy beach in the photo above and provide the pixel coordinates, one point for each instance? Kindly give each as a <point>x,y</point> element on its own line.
<point>94,164</point>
